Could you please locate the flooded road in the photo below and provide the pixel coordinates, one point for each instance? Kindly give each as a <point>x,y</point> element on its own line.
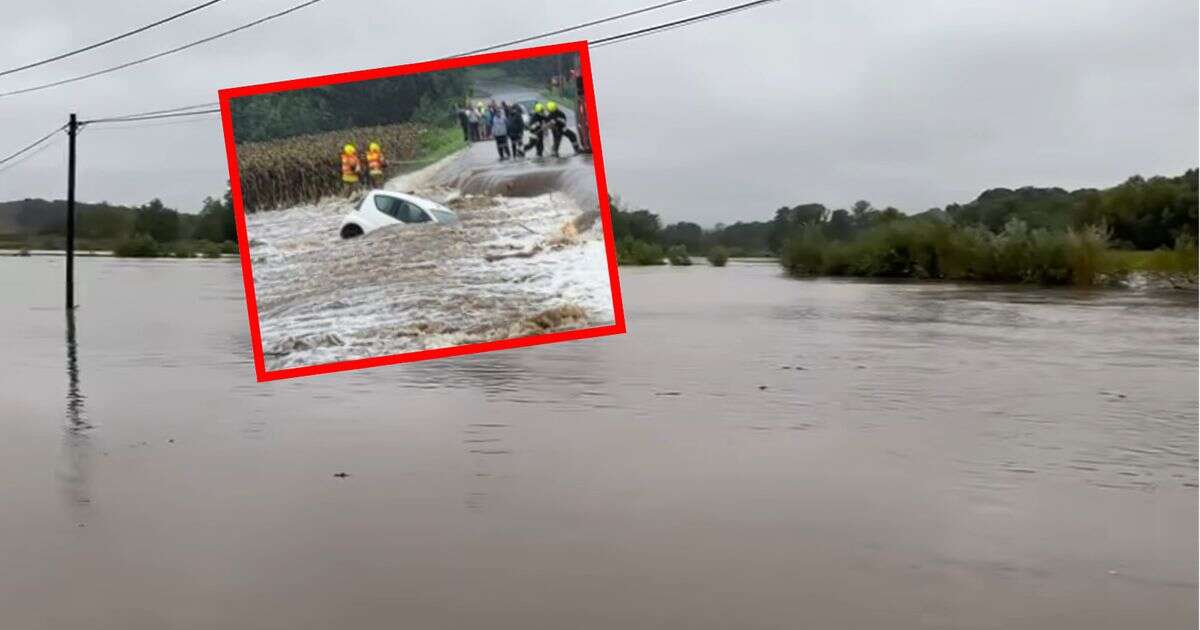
<point>528,257</point>
<point>757,452</point>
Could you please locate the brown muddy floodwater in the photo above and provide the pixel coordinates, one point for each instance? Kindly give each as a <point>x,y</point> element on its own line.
<point>758,452</point>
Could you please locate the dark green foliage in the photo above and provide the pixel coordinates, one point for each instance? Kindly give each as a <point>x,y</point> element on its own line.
<point>717,256</point>
<point>138,246</point>
<point>430,97</point>
<point>990,238</point>
<point>678,255</point>
<point>210,250</point>
<point>688,235</point>
<point>216,222</point>
<point>42,223</point>
<point>928,249</point>
<point>634,252</point>
<point>157,221</point>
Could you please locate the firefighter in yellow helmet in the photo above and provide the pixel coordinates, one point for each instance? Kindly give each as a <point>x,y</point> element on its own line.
<point>375,164</point>
<point>557,119</point>
<point>536,129</point>
<point>350,168</point>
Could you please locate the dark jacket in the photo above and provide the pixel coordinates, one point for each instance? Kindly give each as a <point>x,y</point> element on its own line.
<point>516,126</point>
<point>537,122</point>
<point>557,118</point>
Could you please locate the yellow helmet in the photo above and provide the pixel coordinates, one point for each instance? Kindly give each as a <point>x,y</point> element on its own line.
<point>348,149</point>
<point>374,146</point>
<point>537,107</point>
<point>552,106</point>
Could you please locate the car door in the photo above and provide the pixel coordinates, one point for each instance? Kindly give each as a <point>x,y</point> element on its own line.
<point>387,208</point>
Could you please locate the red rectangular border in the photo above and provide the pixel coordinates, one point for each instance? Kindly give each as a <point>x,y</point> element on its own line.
<point>585,67</point>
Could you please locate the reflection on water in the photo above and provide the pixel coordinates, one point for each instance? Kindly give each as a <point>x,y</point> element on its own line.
<point>758,452</point>
<point>73,472</point>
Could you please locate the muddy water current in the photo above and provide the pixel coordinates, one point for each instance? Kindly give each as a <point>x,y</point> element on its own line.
<point>527,257</point>
<point>757,452</point>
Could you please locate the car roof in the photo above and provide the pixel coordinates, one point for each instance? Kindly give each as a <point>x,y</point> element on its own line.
<point>421,201</point>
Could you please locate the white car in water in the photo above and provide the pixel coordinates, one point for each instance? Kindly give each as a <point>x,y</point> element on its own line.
<point>381,208</point>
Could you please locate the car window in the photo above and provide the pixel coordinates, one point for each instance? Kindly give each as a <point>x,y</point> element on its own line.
<point>410,213</point>
<point>442,216</point>
<point>387,205</point>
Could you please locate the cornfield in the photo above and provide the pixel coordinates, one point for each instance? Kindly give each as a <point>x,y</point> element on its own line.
<point>302,169</point>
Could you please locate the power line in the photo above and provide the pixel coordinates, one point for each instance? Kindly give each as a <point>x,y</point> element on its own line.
<point>111,39</point>
<point>192,110</point>
<point>28,156</point>
<point>161,111</point>
<point>33,144</point>
<point>161,54</point>
<point>622,37</point>
<point>568,29</point>
<point>134,118</point>
<point>514,42</point>
<point>118,125</point>
<point>614,39</point>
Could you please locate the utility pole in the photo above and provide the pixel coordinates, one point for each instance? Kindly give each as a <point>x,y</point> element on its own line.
<point>72,127</point>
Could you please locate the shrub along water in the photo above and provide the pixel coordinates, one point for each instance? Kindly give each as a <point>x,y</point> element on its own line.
<point>678,255</point>
<point>718,255</point>
<point>939,250</point>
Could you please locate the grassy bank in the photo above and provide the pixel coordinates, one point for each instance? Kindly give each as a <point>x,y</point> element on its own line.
<point>302,169</point>
<point>938,250</point>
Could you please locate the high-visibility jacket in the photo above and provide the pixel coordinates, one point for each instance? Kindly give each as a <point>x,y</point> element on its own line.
<point>349,168</point>
<point>375,162</point>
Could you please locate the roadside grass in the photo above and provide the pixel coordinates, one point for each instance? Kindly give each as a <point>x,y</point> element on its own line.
<point>438,142</point>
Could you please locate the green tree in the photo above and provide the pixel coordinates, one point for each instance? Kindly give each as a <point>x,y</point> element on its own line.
<point>157,221</point>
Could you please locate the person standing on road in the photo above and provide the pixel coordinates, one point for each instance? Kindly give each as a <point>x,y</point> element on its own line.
<point>464,121</point>
<point>537,129</point>
<point>500,133</point>
<point>558,127</point>
<point>516,130</point>
<point>473,122</point>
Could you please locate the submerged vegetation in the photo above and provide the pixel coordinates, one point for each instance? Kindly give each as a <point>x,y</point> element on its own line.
<point>1034,235</point>
<point>717,255</point>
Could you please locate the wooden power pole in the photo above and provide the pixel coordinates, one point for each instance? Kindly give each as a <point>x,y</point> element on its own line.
<point>72,126</point>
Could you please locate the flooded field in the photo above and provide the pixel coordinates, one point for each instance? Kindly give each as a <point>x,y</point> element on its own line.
<point>528,257</point>
<point>757,452</point>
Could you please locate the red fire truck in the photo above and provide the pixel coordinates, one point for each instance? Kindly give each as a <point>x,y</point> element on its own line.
<point>581,117</point>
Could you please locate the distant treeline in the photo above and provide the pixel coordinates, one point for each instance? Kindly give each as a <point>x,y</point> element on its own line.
<point>41,224</point>
<point>1159,213</point>
<point>428,98</point>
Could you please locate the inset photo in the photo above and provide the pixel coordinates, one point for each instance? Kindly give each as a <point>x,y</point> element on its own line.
<point>422,211</point>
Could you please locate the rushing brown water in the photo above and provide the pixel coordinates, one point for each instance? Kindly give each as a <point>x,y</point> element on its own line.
<point>758,452</point>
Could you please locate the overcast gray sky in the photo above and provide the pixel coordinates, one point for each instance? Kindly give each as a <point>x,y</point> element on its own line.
<point>912,104</point>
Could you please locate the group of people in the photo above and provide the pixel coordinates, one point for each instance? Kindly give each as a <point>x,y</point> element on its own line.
<point>506,125</point>
<point>354,168</point>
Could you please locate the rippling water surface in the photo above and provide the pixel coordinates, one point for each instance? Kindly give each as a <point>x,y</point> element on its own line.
<point>757,452</point>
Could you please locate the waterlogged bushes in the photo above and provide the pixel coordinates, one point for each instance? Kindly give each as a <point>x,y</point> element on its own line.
<point>718,255</point>
<point>142,245</point>
<point>635,252</point>
<point>139,245</point>
<point>939,250</point>
<point>678,255</point>
<point>302,169</point>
